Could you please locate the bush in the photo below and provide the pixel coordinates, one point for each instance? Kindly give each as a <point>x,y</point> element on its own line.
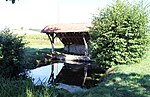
<point>118,35</point>
<point>12,60</point>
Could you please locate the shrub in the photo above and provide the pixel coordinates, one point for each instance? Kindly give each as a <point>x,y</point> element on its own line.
<point>118,35</point>
<point>12,60</point>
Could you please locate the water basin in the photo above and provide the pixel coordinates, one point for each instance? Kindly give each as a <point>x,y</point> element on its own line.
<point>82,75</point>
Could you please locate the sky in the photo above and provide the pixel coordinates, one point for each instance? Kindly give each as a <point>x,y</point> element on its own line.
<point>39,13</point>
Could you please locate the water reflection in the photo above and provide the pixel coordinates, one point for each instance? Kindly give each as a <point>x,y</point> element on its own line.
<point>51,78</point>
<point>83,74</point>
<point>43,74</point>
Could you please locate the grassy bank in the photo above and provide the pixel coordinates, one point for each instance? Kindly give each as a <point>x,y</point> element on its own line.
<point>123,81</point>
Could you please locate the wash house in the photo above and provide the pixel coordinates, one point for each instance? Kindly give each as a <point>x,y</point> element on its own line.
<point>73,36</point>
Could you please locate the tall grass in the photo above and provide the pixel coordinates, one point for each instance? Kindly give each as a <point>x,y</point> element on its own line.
<point>24,88</point>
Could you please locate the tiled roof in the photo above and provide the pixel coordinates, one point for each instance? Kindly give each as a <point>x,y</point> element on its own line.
<point>70,27</point>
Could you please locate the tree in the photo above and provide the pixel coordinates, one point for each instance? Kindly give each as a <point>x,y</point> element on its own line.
<point>118,35</point>
<point>12,54</point>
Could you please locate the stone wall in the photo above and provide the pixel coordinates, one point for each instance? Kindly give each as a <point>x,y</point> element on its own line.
<point>75,48</point>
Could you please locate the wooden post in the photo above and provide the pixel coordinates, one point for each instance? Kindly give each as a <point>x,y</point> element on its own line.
<point>52,43</point>
<point>86,47</point>
<point>51,38</point>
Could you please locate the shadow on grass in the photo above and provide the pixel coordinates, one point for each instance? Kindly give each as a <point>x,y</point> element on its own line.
<point>120,85</point>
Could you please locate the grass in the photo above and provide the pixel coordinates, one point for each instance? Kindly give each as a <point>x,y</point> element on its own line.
<point>40,41</point>
<point>123,81</point>
<point>25,88</point>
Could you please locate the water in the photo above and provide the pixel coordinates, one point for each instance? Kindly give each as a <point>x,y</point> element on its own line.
<point>42,74</point>
<point>83,74</point>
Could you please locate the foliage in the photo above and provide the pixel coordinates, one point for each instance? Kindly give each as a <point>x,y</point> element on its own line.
<point>25,88</point>
<point>119,34</point>
<point>12,54</point>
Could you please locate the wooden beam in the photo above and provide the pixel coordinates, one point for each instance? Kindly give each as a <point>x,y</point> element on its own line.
<point>51,38</point>
<point>86,47</point>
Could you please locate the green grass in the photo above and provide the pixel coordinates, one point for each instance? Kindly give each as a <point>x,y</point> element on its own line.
<point>25,88</point>
<point>40,41</point>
